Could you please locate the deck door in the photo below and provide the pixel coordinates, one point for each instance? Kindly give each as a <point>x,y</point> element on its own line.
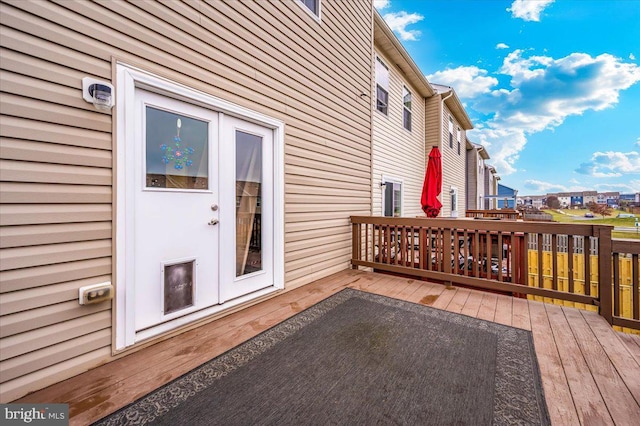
<point>176,197</point>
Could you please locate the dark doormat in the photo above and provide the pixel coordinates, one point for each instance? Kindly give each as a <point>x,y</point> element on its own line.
<point>359,359</point>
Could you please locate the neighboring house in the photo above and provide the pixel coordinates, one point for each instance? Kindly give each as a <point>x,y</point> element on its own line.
<point>577,199</point>
<point>446,126</point>
<point>491,179</point>
<point>630,199</point>
<point>506,197</point>
<point>589,197</point>
<point>535,201</point>
<point>612,198</point>
<point>399,160</point>
<point>601,199</point>
<point>564,198</point>
<point>229,118</point>
<point>477,156</point>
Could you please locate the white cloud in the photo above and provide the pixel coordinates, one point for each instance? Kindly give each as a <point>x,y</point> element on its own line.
<point>638,141</point>
<point>538,186</point>
<point>611,164</point>
<point>529,10</point>
<point>544,92</point>
<point>631,186</point>
<point>544,187</point>
<point>468,82</point>
<point>502,46</point>
<point>381,4</point>
<point>398,22</point>
<point>632,56</point>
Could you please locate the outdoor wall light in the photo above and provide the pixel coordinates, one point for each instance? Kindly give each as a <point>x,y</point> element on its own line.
<point>99,93</point>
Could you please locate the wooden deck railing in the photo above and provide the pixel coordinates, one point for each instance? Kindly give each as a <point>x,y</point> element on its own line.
<point>509,256</point>
<point>626,288</point>
<point>493,214</point>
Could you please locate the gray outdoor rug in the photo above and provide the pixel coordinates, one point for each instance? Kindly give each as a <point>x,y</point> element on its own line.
<point>359,359</point>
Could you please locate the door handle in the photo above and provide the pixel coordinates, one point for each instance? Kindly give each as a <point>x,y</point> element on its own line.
<point>213,222</point>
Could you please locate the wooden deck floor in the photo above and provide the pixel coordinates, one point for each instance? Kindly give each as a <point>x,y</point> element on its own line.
<point>590,373</point>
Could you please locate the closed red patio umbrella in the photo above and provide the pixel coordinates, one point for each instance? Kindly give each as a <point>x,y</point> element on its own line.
<point>432,184</point>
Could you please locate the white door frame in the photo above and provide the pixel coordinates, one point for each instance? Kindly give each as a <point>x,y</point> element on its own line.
<point>128,80</point>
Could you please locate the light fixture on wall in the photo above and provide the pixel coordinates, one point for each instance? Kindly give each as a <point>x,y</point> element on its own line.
<point>99,93</point>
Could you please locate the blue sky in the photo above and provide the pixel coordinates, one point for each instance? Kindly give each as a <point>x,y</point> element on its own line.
<point>552,86</point>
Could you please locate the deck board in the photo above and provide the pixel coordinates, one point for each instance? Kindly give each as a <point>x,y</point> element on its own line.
<point>590,373</point>
<point>586,395</point>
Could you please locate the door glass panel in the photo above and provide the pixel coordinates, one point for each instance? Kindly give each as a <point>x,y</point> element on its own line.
<point>248,203</point>
<point>177,151</point>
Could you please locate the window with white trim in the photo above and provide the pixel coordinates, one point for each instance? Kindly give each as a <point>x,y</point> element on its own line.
<point>382,87</point>
<point>406,108</point>
<point>450,132</point>
<point>312,5</point>
<point>459,143</point>
<point>453,192</point>
<point>391,198</point>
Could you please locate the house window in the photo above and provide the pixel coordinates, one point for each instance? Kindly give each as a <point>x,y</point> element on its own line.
<point>450,132</point>
<point>313,6</point>
<point>392,198</point>
<point>382,87</point>
<point>453,192</point>
<point>406,103</point>
<point>459,144</point>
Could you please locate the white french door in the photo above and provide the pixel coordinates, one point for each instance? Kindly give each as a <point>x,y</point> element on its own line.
<point>176,197</point>
<point>199,225</point>
<point>247,227</point>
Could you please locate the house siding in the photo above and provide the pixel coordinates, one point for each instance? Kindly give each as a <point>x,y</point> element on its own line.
<point>472,179</point>
<point>57,155</point>
<point>397,152</point>
<point>453,167</point>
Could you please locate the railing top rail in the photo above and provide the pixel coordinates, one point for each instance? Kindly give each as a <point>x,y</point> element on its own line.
<point>485,225</point>
<point>625,246</point>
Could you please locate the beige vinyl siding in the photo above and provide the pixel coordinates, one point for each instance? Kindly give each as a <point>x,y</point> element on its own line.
<point>397,152</point>
<point>56,149</point>
<point>472,179</point>
<point>453,167</point>
<point>475,180</point>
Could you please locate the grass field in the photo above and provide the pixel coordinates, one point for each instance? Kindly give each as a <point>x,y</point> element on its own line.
<point>577,216</point>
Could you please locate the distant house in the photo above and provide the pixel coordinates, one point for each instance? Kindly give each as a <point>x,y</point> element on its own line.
<point>577,199</point>
<point>630,199</point>
<point>589,197</point>
<point>446,126</point>
<point>476,169</point>
<point>506,197</point>
<point>535,201</point>
<point>491,179</point>
<point>399,154</point>
<point>612,198</point>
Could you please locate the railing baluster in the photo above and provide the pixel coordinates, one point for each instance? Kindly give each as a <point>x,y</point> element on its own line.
<point>554,261</point>
<point>587,265</point>
<point>570,262</point>
<point>456,252</point>
<point>465,267</point>
<point>500,253</point>
<point>540,261</point>
<point>616,284</point>
<point>422,246</point>
<point>635,299</point>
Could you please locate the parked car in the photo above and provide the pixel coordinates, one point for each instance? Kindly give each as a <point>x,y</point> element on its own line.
<point>589,214</point>
<point>621,215</point>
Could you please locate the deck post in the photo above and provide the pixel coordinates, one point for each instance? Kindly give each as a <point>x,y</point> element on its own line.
<point>447,254</point>
<point>355,244</point>
<point>605,288</point>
